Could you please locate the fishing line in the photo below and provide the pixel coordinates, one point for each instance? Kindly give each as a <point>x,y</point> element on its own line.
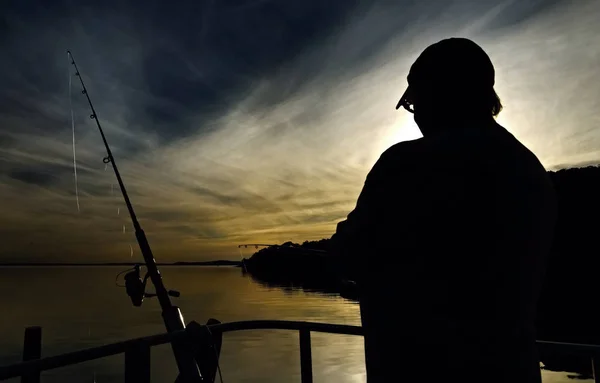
<point>216,354</point>
<point>121,273</point>
<point>112,192</point>
<point>112,185</point>
<point>171,314</point>
<point>73,130</point>
<point>242,259</point>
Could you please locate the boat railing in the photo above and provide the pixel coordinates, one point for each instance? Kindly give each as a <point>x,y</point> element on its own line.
<point>137,351</point>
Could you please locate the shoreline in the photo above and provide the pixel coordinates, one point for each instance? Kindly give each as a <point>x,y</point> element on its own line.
<point>63,264</point>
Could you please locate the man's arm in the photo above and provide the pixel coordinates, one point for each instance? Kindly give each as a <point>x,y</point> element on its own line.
<point>398,194</point>
<point>354,235</point>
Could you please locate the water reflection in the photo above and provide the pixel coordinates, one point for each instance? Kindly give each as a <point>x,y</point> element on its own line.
<point>323,285</point>
<point>81,307</point>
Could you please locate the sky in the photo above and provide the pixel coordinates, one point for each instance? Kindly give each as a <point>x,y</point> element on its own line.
<point>250,121</point>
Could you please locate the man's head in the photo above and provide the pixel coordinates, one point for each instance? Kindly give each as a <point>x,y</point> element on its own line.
<point>451,82</point>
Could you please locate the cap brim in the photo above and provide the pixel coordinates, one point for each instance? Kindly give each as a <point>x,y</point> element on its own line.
<point>402,99</point>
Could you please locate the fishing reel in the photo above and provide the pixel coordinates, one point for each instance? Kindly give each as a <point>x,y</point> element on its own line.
<point>135,286</point>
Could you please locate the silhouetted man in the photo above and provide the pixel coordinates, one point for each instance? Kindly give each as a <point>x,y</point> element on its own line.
<point>450,233</point>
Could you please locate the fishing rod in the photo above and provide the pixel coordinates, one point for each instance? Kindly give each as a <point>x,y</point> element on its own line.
<point>171,314</point>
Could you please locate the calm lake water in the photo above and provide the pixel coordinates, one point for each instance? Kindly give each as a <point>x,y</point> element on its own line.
<point>81,307</point>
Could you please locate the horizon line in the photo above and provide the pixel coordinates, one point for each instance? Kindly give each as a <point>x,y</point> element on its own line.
<point>116,263</point>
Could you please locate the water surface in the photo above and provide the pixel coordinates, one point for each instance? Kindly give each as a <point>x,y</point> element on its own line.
<point>80,307</point>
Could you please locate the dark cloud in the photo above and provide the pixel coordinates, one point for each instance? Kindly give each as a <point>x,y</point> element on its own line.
<point>41,174</point>
<point>166,60</point>
<point>34,177</point>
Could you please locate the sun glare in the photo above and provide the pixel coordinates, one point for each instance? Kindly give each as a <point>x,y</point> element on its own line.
<point>403,129</point>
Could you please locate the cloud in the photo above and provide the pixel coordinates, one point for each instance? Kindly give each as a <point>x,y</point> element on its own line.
<point>250,123</point>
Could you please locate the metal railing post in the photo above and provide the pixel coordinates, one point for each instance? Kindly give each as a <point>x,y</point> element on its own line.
<point>137,363</point>
<point>32,349</point>
<point>305,357</point>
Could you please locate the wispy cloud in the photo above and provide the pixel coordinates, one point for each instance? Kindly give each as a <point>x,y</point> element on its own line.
<point>254,129</point>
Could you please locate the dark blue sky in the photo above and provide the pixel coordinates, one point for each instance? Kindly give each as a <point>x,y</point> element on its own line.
<point>196,56</point>
<point>191,56</point>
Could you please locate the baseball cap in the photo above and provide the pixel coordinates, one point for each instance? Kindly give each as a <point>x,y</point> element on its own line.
<point>454,63</point>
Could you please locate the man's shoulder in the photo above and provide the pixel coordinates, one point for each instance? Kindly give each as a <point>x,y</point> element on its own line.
<point>413,154</point>
<point>401,158</point>
<point>406,149</point>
